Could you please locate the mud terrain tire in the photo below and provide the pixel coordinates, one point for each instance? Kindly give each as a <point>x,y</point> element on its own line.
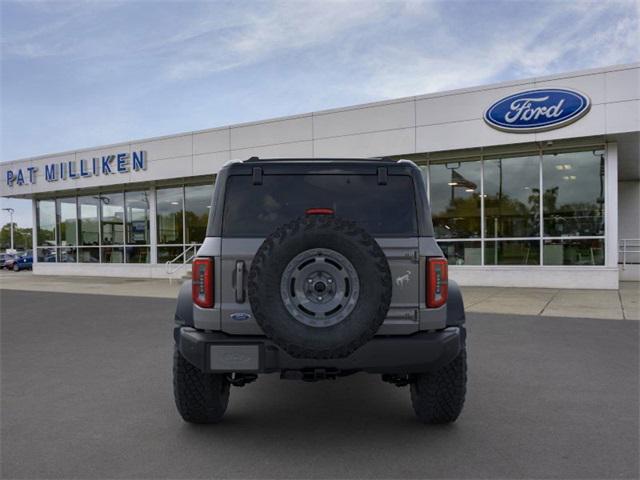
<point>438,397</point>
<point>200,397</point>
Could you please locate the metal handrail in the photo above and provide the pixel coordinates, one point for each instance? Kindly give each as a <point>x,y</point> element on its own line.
<point>628,245</point>
<point>186,259</point>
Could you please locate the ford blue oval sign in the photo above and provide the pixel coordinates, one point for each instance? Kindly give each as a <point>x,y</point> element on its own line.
<point>537,110</point>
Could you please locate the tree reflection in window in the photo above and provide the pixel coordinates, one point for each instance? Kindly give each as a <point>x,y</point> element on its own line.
<point>455,199</point>
<point>512,197</point>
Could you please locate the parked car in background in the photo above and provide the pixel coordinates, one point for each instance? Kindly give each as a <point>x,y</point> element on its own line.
<point>23,262</point>
<point>7,260</point>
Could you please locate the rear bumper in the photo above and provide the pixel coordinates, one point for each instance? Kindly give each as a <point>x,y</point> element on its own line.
<point>219,352</point>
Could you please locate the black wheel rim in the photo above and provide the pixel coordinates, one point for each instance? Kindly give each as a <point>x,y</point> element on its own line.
<point>320,287</point>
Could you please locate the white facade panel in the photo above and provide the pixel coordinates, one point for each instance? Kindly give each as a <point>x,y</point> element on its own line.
<point>100,152</point>
<point>629,209</point>
<point>283,150</point>
<point>361,120</point>
<point>391,142</point>
<point>462,107</point>
<point>611,206</point>
<point>592,85</point>
<point>171,147</point>
<point>623,85</point>
<point>623,116</point>
<point>592,124</point>
<point>469,134</point>
<point>166,168</point>
<point>211,141</point>
<point>271,133</point>
<point>209,163</point>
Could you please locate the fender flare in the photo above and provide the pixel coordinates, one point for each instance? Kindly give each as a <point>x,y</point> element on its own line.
<point>455,306</point>
<point>184,308</point>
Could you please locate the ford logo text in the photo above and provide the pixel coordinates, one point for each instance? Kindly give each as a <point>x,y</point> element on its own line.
<point>537,110</point>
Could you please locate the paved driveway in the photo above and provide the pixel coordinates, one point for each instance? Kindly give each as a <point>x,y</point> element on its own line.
<point>86,392</point>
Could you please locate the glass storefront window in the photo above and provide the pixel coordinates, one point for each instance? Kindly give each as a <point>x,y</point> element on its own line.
<point>88,227</point>
<point>137,218</point>
<point>574,252</point>
<point>197,200</point>
<point>512,197</point>
<point>512,252</point>
<point>166,254</point>
<point>46,254</point>
<point>137,254</point>
<point>112,218</point>
<point>455,199</point>
<point>573,198</point>
<point>89,255</point>
<point>462,253</point>
<point>67,221</point>
<point>67,254</point>
<point>112,255</point>
<point>115,227</point>
<point>169,218</point>
<point>46,217</point>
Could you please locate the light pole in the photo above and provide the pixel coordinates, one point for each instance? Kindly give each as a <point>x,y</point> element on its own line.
<point>11,212</point>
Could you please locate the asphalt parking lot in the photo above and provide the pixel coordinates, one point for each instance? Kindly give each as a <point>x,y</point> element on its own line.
<point>86,393</point>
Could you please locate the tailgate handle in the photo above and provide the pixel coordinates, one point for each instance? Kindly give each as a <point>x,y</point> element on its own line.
<point>239,281</point>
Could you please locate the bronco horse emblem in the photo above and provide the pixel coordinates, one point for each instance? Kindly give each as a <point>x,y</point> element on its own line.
<point>404,279</point>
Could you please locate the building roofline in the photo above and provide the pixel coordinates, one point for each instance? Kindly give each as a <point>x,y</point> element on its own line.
<point>444,93</point>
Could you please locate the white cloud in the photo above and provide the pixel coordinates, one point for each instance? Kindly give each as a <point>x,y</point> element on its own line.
<point>287,26</point>
<point>118,71</point>
<point>367,36</point>
<point>529,47</point>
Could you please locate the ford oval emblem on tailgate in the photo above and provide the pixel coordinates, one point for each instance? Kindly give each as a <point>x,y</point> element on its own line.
<point>240,316</point>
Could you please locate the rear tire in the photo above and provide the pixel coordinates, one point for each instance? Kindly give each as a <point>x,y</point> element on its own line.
<point>200,397</point>
<point>438,397</point>
<point>16,268</point>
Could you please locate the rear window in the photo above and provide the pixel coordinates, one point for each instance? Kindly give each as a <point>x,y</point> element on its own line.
<point>257,210</point>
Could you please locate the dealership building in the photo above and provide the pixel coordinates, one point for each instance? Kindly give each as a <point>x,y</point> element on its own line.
<point>533,183</point>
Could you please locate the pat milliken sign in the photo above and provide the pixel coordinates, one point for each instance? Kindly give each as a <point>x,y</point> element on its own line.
<point>115,164</point>
<point>537,110</point>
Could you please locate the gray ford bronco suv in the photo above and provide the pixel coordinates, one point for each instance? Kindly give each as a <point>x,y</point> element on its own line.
<point>317,269</point>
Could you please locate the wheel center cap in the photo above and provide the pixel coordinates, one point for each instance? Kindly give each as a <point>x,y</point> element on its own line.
<point>320,287</point>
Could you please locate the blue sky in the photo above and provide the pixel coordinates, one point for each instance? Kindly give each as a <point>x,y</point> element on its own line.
<point>80,74</point>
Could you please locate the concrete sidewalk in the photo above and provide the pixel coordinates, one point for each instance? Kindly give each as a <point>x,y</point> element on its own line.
<point>608,304</point>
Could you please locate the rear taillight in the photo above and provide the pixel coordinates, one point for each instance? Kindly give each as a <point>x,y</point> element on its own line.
<point>437,282</point>
<point>319,211</point>
<point>202,285</point>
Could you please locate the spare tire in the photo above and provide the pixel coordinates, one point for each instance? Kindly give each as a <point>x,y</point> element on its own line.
<point>320,287</point>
